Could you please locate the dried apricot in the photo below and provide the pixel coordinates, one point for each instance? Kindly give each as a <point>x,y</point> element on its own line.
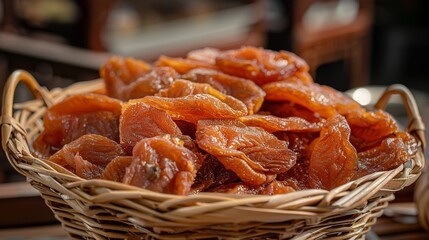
<point>149,84</point>
<point>242,89</point>
<point>333,159</point>
<point>392,152</point>
<point>139,120</point>
<point>371,125</point>
<point>275,124</point>
<point>118,72</point>
<point>195,107</point>
<point>252,153</point>
<point>260,65</point>
<point>324,100</point>
<point>160,164</point>
<point>207,55</point>
<point>212,174</point>
<point>277,187</point>
<point>290,109</point>
<point>76,116</point>
<point>182,65</point>
<point>88,155</point>
<point>115,170</point>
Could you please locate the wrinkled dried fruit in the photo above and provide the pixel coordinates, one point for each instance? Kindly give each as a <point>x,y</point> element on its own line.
<point>195,107</point>
<point>275,124</point>
<point>182,65</point>
<point>324,100</point>
<point>260,65</point>
<point>115,170</point>
<point>76,116</point>
<point>88,155</point>
<point>207,55</point>
<point>371,126</point>
<point>212,174</point>
<point>252,153</point>
<point>392,152</point>
<point>288,109</point>
<point>333,159</point>
<point>149,84</point>
<point>160,164</point>
<point>242,89</point>
<point>118,72</point>
<point>139,120</point>
<point>277,187</point>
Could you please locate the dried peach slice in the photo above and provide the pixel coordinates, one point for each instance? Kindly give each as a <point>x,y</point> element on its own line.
<point>160,164</point>
<point>118,72</point>
<point>242,89</point>
<point>252,153</point>
<point>260,65</point>
<point>88,155</point>
<point>333,159</point>
<point>182,65</point>
<point>140,120</point>
<point>275,124</point>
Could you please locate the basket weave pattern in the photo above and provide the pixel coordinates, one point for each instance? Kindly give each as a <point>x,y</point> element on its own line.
<point>422,199</point>
<point>107,210</point>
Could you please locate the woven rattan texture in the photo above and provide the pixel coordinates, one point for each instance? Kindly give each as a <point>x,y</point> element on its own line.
<point>422,199</point>
<point>107,210</point>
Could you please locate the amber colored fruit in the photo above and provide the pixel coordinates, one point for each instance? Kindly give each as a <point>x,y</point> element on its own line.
<point>182,65</point>
<point>299,143</point>
<point>260,65</point>
<point>76,116</point>
<point>88,155</point>
<point>242,89</point>
<point>115,170</point>
<point>160,164</point>
<point>149,84</point>
<point>323,100</point>
<point>333,159</point>
<point>207,55</point>
<point>190,143</point>
<point>371,125</point>
<point>212,174</point>
<point>237,188</point>
<point>186,128</point>
<point>392,152</point>
<point>195,107</point>
<point>298,76</point>
<point>182,88</point>
<point>289,109</point>
<point>118,72</point>
<point>275,124</point>
<point>277,187</point>
<point>251,152</point>
<point>139,120</point>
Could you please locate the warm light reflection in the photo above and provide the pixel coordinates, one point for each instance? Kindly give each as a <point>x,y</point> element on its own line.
<point>362,96</point>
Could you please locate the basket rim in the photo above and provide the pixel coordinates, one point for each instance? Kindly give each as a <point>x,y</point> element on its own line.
<point>342,198</point>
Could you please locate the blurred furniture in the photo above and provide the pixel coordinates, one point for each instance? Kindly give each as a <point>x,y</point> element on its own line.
<point>143,29</point>
<point>22,206</point>
<point>75,22</point>
<point>320,43</point>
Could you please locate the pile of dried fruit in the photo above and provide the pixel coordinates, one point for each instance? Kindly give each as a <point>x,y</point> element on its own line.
<point>241,121</point>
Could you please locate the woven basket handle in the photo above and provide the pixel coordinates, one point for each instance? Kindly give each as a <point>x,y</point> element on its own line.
<point>8,95</point>
<point>415,125</point>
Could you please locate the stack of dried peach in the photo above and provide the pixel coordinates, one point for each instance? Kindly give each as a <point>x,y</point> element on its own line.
<point>246,121</point>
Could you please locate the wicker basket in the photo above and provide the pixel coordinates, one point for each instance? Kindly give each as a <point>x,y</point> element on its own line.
<point>421,197</point>
<point>107,210</point>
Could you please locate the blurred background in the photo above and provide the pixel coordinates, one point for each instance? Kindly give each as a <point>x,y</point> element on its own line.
<point>349,44</point>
